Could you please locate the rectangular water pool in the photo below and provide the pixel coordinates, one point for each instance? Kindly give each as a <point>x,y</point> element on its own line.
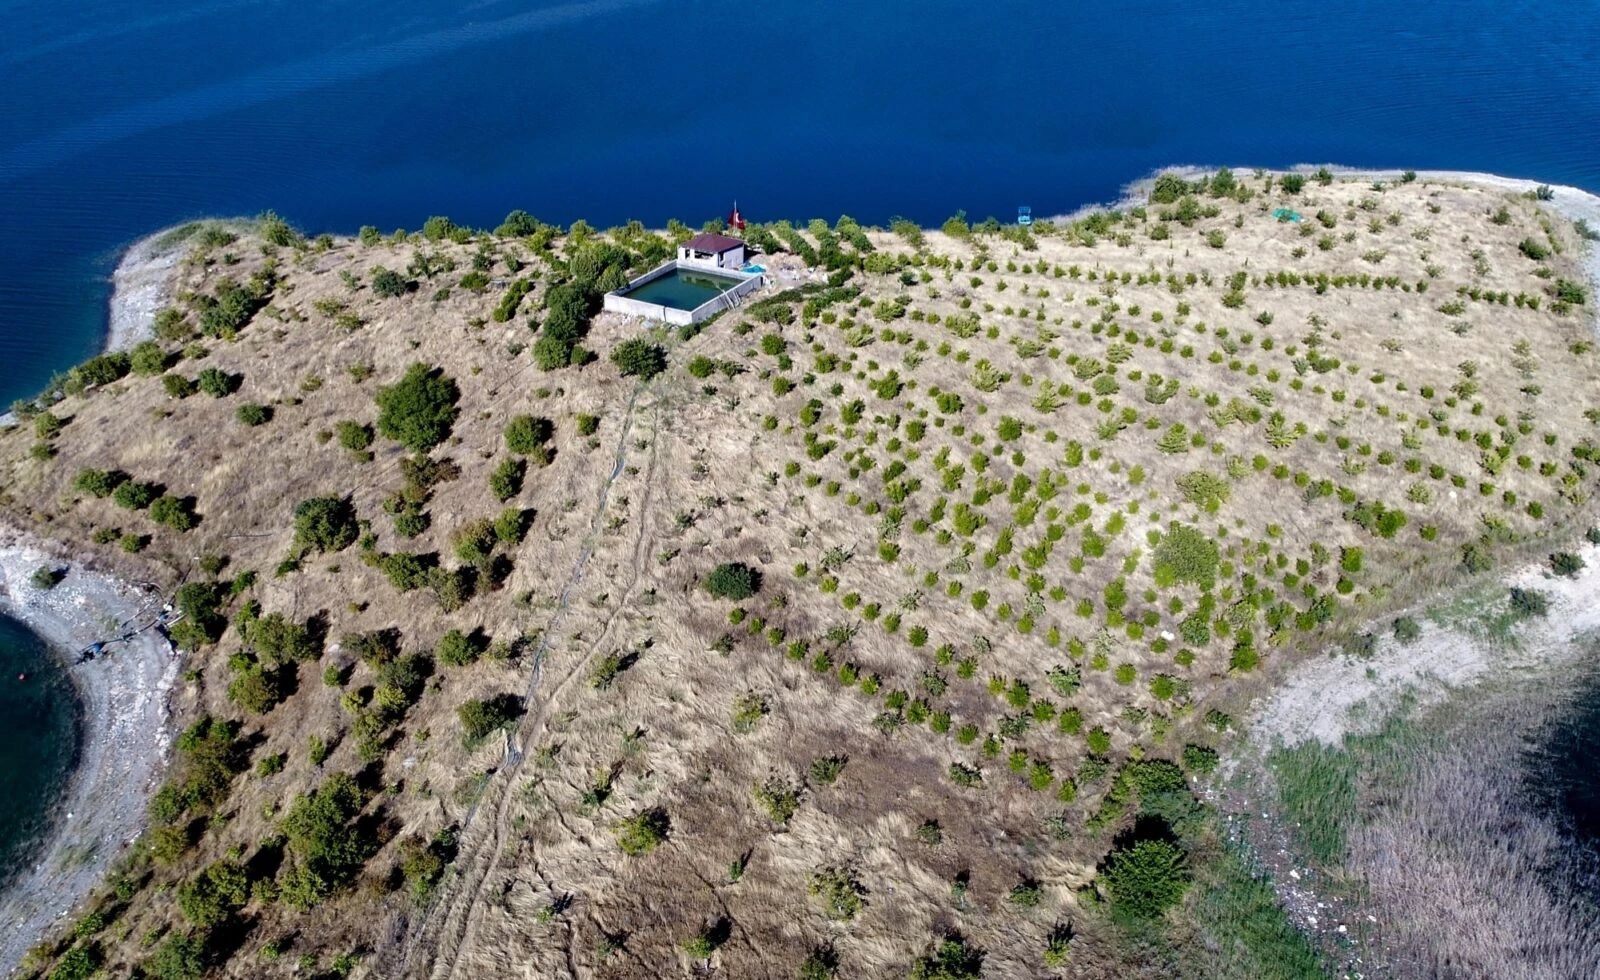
<point>683,289</point>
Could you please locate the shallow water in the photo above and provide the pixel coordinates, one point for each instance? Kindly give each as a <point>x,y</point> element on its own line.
<point>122,116</point>
<point>39,722</point>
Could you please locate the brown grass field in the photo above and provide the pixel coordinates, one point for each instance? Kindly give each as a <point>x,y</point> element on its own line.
<point>1095,369</point>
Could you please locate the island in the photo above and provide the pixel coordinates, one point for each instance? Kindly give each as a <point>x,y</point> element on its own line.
<point>908,602</point>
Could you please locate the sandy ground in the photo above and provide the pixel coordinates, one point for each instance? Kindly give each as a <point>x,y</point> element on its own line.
<point>125,736</point>
<point>141,286</point>
<point>124,732</point>
<point>1328,698</point>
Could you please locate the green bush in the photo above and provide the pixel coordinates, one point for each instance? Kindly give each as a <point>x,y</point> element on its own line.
<point>1566,564</point>
<point>216,382</point>
<point>418,410</point>
<point>325,524</point>
<point>1145,879</point>
<point>953,958</point>
<point>1185,554</point>
<point>838,892</point>
<point>638,357</point>
<point>482,718</point>
<point>642,832</point>
<point>327,846</point>
<point>355,437</point>
<point>253,415</point>
<point>179,957</point>
<point>1407,630</point>
<point>177,386</point>
<point>1528,603</point>
<point>135,495</point>
<point>390,284</point>
<point>527,434</point>
<point>98,483</point>
<point>147,358</point>
<point>733,580</point>
<point>505,481</point>
<point>456,649</point>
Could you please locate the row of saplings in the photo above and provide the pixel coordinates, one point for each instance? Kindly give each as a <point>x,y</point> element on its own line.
<point>1145,873</point>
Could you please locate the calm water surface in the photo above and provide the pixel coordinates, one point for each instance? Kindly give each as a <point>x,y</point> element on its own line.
<point>122,116</point>
<point>38,741</point>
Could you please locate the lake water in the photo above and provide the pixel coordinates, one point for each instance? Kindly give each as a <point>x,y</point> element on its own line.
<point>124,116</point>
<point>37,743</point>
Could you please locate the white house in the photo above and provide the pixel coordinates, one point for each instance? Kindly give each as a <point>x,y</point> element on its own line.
<point>712,252</point>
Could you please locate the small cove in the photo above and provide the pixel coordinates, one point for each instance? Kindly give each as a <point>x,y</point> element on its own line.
<point>40,712</point>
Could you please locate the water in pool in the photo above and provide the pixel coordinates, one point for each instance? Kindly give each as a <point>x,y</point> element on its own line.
<point>682,289</point>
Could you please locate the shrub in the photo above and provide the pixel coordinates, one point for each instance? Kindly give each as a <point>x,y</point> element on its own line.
<point>1528,603</point>
<point>505,481</point>
<point>214,894</point>
<point>216,383</point>
<point>98,483</point>
<point>390,284</point>
<point>1566,564</point>
<point>418,410</point>
<point>172,512</point>
<point>177,386</point>
<point>135,495</point>
<point>179,957</point>
<point>482,718</point>
<point>838,892</point>
<point>1199,759</point>
<point>253,415</point>
<point>1292,183</point>
<point>356,437</point>
<point>733,580</point>
<point>147,358</point>
<point>1145,879</point>
<point>640,358</point>
<point>1407,630</point>
<point>326,847</point>
<point>639,834</point>
<point>45,577</point>
<point>953,958</point>
<point>325,524</point>
<point>1185,554</point>
<point>527,434</point>
<point>456,649</point>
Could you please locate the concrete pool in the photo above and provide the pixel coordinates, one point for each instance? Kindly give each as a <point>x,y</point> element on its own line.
<point>679,293</point>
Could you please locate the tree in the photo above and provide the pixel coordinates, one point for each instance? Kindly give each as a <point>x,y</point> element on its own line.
<point>135,495</point>
<point>418,410</point>
<point>1146,878</point>
<point>480,719</point>
<point>179,957</point>
<point>639,358</point>
<point>214,894</point>
<point>952,959</point>
<point>327,849</point>
<point>325,524</point>
<point>733,580</point>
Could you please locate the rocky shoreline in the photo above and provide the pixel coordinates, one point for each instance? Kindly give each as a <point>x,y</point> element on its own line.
<point>125,732</point>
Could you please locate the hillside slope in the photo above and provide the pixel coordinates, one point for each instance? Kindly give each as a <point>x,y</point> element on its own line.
<point>1028,516</point>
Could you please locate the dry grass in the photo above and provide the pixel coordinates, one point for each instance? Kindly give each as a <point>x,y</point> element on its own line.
<point>701,477</point>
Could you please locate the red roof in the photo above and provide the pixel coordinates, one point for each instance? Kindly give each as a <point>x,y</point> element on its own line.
<point>715,244</point>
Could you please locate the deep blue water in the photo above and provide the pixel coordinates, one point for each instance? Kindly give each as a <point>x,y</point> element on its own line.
<point>119,117</point>
<point>38,744</point>
<point>122,116</point>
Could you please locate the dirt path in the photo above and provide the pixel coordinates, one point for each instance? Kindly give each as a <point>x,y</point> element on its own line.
<point>459,904</point>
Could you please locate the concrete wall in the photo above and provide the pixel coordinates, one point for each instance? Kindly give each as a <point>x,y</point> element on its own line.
<point>733,259</point>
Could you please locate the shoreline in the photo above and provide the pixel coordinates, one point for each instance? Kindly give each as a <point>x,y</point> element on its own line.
<point>125,732</point>
<point>141,285</point>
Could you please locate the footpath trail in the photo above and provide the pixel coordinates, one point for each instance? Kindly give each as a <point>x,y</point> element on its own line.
<point>437,940</point>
